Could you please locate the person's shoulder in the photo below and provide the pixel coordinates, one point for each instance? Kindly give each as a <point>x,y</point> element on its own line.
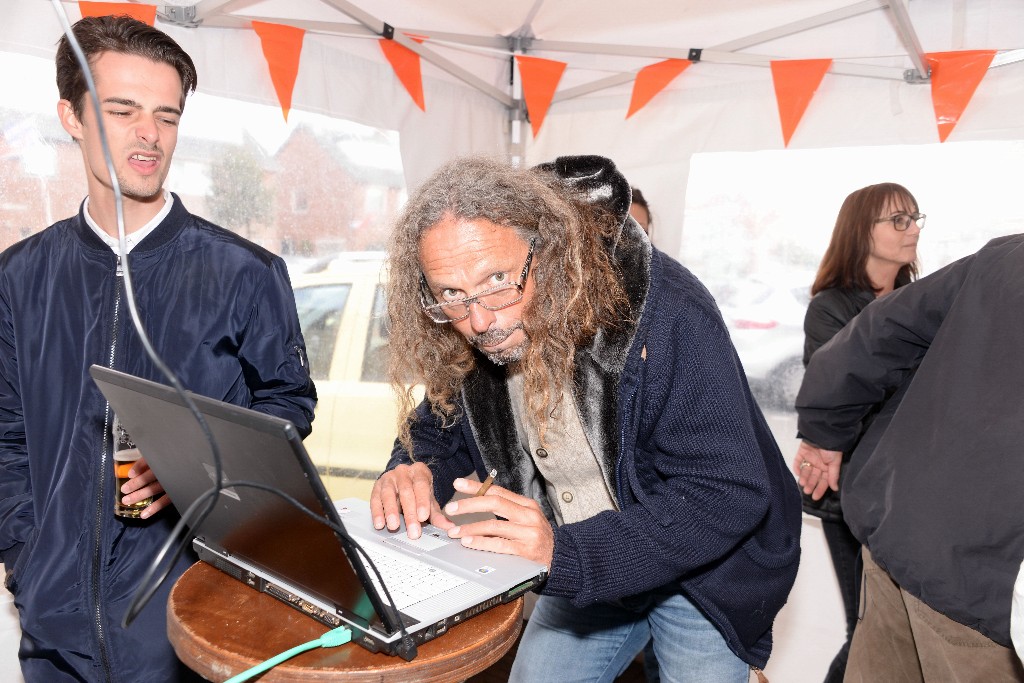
<point>679,281</point>
<point>209,235</point>
<point>833,308</point>
<point>991,260</point>
<point>678,291</point>
<point>1005,241</point>
<point>36,245</point>
<point>1003,245</point>
<point>839,296</point>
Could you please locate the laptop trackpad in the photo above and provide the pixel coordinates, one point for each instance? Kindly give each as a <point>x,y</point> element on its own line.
<point>431,539</point>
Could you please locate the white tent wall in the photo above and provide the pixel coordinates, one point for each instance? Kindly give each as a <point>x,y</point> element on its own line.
<point>654,146</point>
<point>712,107</point>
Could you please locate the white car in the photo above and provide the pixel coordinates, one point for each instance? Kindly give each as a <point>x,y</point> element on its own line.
<point>341,309</point>
<point>765,320</point>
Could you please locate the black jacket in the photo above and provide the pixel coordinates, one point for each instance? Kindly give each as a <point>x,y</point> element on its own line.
<point>220,312</point>
<point>934,489</point>
<point>828,312</point>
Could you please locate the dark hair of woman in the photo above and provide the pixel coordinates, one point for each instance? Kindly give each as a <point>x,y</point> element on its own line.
<point>845,261</point>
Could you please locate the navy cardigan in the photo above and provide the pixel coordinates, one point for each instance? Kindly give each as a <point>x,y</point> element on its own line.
<point>706,501</point>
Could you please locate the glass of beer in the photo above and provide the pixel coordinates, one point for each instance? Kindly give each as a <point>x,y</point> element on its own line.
<point>125,455</point>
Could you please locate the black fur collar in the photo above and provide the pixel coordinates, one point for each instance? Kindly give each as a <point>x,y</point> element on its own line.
<point>598,367</point>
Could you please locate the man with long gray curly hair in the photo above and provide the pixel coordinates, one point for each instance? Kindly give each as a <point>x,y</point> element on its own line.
<point>596,375</point>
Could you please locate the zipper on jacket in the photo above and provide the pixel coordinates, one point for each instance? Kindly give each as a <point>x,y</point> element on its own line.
<point>97,558</point>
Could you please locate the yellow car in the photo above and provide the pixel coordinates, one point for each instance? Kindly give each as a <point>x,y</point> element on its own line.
<point>341,309</point>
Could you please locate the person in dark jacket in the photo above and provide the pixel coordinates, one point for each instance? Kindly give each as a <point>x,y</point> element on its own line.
<point>596,375</point>
<point>932,487</point>
<point>873,250</point>
<point>218,309</point>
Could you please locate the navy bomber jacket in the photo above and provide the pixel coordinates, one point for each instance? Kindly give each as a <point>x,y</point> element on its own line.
<point>705,499</point>
<point>220,311</point>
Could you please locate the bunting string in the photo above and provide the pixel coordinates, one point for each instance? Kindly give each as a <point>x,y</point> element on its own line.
<point>955,76</point>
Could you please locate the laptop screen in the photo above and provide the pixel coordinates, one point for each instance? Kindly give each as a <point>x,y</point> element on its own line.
<point>256,525</point>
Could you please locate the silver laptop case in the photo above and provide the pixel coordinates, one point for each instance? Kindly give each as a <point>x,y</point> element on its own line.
<point>261,539</point>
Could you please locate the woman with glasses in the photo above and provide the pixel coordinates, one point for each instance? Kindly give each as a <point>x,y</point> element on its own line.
<point>873,251</point>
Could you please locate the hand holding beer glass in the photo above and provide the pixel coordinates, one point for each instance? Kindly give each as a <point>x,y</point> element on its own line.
<point>125,457</point>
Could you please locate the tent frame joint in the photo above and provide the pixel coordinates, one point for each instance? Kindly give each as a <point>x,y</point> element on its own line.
<point>388,31</point>
<point>914,77</point>
<point>694,54</point>
<point>181,15</point>
<point>519,42</point>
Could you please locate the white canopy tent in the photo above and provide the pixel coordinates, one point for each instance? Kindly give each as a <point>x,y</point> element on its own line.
<point>876,92</point>
<point>875,95</point>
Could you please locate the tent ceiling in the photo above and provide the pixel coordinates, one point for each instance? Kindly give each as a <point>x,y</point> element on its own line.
<point>724,104</point>
<point>606,45</point>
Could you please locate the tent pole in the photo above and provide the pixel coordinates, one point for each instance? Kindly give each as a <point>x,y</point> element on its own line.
<point>516,110</point>
<point>380,27</point>
<point>206,8</point>
<point>908,36</point>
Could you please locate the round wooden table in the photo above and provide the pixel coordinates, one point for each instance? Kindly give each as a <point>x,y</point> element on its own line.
<point>220,627</point>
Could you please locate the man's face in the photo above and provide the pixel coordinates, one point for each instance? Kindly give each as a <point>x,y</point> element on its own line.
<point>140,101</point>
<point>460,258</point>
<point>641,216</point>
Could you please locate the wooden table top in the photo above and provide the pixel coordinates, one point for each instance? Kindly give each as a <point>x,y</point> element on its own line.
<point>220,627</point>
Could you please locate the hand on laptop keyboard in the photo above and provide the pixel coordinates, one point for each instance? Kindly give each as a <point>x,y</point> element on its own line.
<point>407,490</point>
<point>408,580</point>
<point>523,529</point>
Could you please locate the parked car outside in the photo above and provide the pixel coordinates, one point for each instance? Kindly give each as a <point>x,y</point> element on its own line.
<point>341,309</point>
<point>765,318</point>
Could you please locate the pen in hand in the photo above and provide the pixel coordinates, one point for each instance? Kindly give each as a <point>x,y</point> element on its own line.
<point>486,483</point>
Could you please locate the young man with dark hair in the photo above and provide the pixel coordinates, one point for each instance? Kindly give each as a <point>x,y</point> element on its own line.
<point>218,309</point>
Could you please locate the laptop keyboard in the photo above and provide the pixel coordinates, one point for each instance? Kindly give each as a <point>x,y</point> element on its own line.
<point>409,580</point>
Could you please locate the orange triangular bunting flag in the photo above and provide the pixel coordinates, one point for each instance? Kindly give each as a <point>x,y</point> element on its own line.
<point>652,79</point>
<point>540,79</point>
<point>282,46</point>
<point>796,80</point>
<point>406,64</point>
<point>955,76</point>
<point>144,13</point>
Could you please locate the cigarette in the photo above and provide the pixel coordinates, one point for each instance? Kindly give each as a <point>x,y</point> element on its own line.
<point>487,483</point>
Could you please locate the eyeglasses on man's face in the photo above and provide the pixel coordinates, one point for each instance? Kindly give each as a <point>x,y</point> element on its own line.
<point>493,299</point>
<point>901,221</point>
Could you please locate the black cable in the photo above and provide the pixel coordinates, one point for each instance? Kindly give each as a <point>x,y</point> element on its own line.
<point>212,493</point>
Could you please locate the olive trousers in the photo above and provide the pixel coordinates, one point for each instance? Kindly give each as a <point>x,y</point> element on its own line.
<point>900,639</point>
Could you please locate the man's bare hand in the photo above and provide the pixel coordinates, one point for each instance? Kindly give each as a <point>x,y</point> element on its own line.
<point>141,485</point>
<point>406,490</point>
<point>817,468</point>
<point>523,529</point>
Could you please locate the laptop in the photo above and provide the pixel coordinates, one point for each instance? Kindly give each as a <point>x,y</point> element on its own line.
<point>256,536</point>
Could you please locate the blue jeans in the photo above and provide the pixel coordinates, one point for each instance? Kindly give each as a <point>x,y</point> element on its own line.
<point>563,643</point>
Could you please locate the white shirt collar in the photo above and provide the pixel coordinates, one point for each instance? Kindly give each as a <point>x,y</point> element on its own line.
<point>135,237</point>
